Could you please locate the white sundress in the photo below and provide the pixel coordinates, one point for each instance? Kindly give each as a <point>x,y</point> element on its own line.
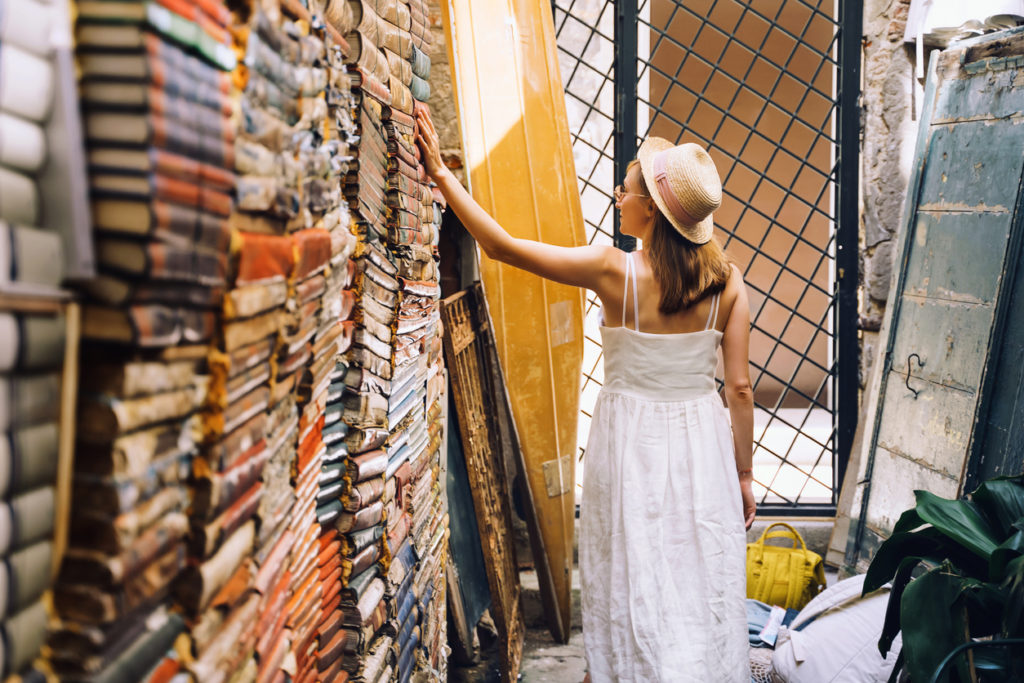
<point>662,541</point>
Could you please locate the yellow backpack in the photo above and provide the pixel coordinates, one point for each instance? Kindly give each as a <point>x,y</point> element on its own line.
<point>788,577</point>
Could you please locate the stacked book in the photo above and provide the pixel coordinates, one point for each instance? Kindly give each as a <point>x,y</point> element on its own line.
<point>237,561</point>
<point>31,356</point>
<point>135,439</point>
<point>35,258</point>
<point>31,343</point>
<point>160,153</point>
<point>269,206</point>
<point>364,405</point>
<point>418,539</point>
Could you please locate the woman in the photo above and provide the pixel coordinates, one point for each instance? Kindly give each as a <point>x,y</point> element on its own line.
<point>667,486</point>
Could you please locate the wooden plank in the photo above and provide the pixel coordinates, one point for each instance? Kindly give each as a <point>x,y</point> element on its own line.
<point>66,437</point>
<point>932,430</point>
<point>972,168</point>
<point>464,317</point>
<point>998,96</point>
<point>48,302</point>
<point>950,338</point>
<point>893,486</point>
<point>512,115</point>
<point>978,240</point>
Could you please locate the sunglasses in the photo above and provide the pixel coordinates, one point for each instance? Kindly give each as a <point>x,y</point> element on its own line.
<point>620,191</point>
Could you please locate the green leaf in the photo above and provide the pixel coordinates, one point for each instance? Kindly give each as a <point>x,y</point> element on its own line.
<point>891,625</point>
<point>932,626</point>
<point>908,521</point>
<point>984,603</point>
<point>959,520</point>
<point>1004,554</point>
<point>1001,500</point>
<point>1013,616</point>
<point>926,544</point>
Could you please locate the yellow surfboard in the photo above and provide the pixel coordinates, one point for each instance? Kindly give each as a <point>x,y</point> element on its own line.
<point>519,156</point>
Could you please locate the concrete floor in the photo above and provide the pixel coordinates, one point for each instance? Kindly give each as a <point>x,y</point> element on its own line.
<point>545,661</point>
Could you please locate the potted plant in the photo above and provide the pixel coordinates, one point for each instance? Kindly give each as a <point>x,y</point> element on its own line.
<point>968,559</point>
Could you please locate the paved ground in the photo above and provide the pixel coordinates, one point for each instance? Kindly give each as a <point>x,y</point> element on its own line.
<point>544,661</point>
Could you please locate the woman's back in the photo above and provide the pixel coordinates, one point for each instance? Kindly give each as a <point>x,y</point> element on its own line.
<point>676,365</point>
<point>653,321</point>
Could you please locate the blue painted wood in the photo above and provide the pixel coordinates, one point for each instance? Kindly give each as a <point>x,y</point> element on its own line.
<point>465,535</point>
<point>977,239</point>
<point>973,166</point>
<point>953,301</point>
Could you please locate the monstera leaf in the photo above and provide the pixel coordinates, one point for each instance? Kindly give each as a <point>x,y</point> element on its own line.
<point>969,558</point>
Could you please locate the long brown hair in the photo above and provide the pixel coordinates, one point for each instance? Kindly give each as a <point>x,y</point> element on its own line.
<point>686,272</point>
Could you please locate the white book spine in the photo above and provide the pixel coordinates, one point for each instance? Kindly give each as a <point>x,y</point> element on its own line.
<point>26,83</point>
<point>19,200</point>
<point>22,143</point>
<point>9,342</point>
<point>27,24</point>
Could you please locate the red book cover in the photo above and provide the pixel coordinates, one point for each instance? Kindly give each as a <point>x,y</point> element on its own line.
<point>264,257</point>
<point>313,251</point>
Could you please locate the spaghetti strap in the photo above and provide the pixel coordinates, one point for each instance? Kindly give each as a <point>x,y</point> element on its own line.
<point>636,298</point>
<point>713,313</point>
<point>625,286</point>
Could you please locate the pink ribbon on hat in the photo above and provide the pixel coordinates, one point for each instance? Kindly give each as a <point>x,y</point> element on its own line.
<point>665,190</point>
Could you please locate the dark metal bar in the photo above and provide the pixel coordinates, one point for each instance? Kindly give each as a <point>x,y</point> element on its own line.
<point>625,100</point>
<point>847,344</point>
<point>796,510</point>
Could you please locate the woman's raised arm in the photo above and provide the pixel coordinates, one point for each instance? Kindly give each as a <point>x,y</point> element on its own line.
<point>589,266</point>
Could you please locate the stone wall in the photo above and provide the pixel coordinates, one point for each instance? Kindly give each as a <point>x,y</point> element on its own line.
<point>890,93</point>
<point>442,103</point>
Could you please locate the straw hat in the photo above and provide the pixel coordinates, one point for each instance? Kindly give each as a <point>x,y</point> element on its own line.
<point>684,184</point>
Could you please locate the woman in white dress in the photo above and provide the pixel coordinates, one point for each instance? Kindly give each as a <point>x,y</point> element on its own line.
<point>667,485</point>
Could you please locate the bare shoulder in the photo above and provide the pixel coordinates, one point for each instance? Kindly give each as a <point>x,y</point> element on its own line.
<point>611,266</point>
<point>735,280</point>
<point>733,293</point>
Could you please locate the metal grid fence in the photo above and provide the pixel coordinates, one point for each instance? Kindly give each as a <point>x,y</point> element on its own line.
<point>760,84</point>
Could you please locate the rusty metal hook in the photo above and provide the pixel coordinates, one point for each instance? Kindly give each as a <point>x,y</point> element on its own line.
<point>921,364</point>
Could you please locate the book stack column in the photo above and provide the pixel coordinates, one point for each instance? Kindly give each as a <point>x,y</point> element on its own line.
<point>269,207</point>
<point>231,576</point>
<point>417,540</point>
<point>33,323</point>
<point>355,413</point>
<point>335,320</point>
<point>31,356</point>
<point>313,247</point>
<point>156,113</point>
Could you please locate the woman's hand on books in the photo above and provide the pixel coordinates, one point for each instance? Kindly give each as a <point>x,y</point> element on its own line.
<point>426,136</point>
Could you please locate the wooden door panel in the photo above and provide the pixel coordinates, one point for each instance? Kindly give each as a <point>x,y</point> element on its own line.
<point>894,482</point>
<point>996,95</point>
<point>950,337</point>
<point>971,167</point>
<point>933,429</point>
<point>977,239</point>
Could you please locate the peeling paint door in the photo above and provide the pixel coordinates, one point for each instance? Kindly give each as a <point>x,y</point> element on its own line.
<point>961,234</point>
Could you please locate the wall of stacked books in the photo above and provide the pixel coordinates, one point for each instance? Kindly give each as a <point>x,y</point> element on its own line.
<point>38,319</point>
<point>257,489</point>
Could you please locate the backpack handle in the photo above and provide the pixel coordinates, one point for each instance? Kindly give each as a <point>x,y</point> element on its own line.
<point>791,534</point>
